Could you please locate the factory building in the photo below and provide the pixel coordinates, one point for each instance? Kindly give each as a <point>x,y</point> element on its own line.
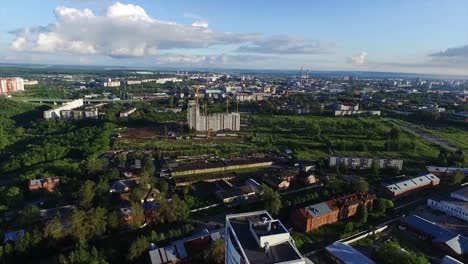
<point>408,186</point>
<point>213,122</point>
<point>11,85</point>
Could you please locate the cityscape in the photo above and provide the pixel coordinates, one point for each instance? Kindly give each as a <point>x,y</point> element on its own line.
<point>163,132</point>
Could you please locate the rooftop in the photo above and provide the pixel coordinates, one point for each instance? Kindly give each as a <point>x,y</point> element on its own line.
<point>461,194</point>
<point>242,234</point>
<point>414,183</point>
<point>347,254</point>
<point>456,242</point>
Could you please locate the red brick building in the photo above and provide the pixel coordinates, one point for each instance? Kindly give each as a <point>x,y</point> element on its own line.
<point>329,212</point>
<point>49,184</point>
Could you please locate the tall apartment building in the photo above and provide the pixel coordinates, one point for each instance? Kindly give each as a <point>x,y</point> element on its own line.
<point>11,85</point>
<point>365,162</point>
<point>212,122</point>
<point>329,212</point>
<point>256,237</point>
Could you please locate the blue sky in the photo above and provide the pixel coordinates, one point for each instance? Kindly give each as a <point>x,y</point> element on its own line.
<point>383,35</point>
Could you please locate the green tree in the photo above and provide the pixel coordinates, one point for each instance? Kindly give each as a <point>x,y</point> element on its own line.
<point>113,221</point>
<point>78,227</point>
<point>394,133</point>
<point>97,221</point>
<point>138,216</point>
<point>138,247</point>
<point>456,178</point>
<point>271,199</point>
<point>86,194</point>
<point>29,216</point>
<point>54,229</point>
<point>83,254</point>
<point>361,186</point>
<point>362,214</point>
<point>375,168</point>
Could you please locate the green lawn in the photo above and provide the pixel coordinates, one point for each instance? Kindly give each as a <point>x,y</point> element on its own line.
<point>453,135</point>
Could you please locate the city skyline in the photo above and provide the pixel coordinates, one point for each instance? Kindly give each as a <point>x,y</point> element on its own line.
<point>395,36</point>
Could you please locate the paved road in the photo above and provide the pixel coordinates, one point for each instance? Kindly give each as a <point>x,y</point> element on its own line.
<point>423,134</point>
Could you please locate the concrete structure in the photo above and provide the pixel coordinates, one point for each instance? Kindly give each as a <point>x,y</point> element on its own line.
<point>165,80</point>
<point>365,162</point>
<point>458,209</point>
<point>345,254</point>
<point>111,83</point>
<point>132,82</point>
<point>408,186</point>
<point>213,122</point>
<point>30,82</point>
<point>349,109</point>
<point>128,112</point>
<point>329,212</point>
<point>11,85</point>
<point>56,112</point>
<point>256,237</point>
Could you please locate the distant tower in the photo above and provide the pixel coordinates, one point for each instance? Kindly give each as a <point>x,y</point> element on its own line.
<point>302,74</point>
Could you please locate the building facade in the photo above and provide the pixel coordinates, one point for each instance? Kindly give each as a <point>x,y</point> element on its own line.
<point>365,162</point>
<point>329,212</point>
<point>213,122</point>
<point>11,85</point>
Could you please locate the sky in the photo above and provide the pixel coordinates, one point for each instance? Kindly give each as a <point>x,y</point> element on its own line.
<point>417,36</point>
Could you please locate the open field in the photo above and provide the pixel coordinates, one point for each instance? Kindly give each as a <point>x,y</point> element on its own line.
<point>455,136</point>
<point>315,137</point>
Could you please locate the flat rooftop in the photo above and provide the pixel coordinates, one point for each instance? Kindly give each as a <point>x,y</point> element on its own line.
<point>283,252</point>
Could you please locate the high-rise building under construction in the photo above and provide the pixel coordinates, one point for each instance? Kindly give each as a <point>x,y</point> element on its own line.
<point>211,122</point>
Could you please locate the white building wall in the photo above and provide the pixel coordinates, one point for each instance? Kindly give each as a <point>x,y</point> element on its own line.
<point>449,208</point>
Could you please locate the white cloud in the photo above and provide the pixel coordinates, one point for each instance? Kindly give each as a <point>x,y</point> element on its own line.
<point>208,60</point>
<point>126,30</point>
<point>358,59</point>
<point>202,24</point>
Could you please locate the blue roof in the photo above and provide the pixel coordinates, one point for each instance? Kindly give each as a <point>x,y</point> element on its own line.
<point>456,242</point>
<point>347,254</point>
<point>318,209</point>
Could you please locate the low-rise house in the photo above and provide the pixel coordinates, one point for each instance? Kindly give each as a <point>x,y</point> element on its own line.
<point>408,186</point>
<point>61,212</point>
<point>181,251</point>
<point>236,195</point>
<point>12,236</point>
<point>329,212</point>
<point>122,186</point>
<point>50,184</point>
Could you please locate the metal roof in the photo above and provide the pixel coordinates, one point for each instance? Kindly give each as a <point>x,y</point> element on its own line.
<point>347,254</point>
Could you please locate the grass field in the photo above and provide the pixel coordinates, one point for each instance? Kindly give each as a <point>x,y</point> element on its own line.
<point>340,135</point>
<point>456,136</point>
